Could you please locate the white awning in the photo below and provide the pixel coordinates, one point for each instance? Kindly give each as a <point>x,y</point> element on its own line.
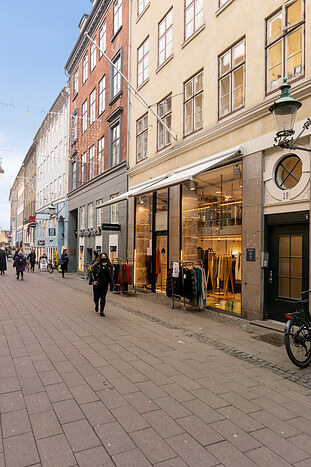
<point>180,175</point>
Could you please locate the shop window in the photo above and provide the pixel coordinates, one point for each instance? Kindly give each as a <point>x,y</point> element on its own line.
<point>166,37</point>
<point>193,99</point>
<point>285,44</point>
<point>82,217</point>
<point>288,172</point>
<point>143,62</point>
<point>141,138</point>
<point>143,241</point>
<point>193,16</point>
<point>165,112</point>
<point>211,233</point>
<point>232,79</point>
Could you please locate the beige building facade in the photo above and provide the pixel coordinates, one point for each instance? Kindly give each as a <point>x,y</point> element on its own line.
<point>215,194</point>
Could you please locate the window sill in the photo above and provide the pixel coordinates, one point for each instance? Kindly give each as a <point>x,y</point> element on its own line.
<point>142,13</point>
<point>75,96</point>
<point>222,117</point>
<point>193,36</point>
<point>164,63</point>
<point>222,8</point>
<point>115,98</point>
<point>115,35</point>
<point>143,84</point>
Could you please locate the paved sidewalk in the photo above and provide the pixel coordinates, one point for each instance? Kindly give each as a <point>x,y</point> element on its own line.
<point>146,385</point>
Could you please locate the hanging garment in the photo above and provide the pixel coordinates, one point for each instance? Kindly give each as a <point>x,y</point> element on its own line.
<point>158,261</point>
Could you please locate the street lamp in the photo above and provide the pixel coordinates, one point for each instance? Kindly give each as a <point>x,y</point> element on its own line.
<point>51,209</point>
<point>284,111</point>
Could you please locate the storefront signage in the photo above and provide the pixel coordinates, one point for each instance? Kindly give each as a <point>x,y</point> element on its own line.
<point>52,232</point>
<point>41,242</point>
<point>250,254</point>
<point>89,233</point>
<point>175,272</point>
<point>115,227</point>
<point>32,225</point>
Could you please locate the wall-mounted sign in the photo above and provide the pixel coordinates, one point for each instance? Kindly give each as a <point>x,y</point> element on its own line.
<point>32,224</point>
<point>41,242</point>
<point>52,232</point>
<point>250,254</point>
<point>115,227</point>
<point>31,219</point>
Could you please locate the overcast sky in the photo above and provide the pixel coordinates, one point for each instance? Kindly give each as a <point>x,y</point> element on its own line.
<point>36,38</point>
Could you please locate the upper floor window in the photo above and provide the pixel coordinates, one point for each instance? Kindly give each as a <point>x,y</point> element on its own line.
<point>99,213</point>
<point>74,126</point>
<point>84,116</point>
<point>285,44</point>
<point>73,173</point>
<point>143,62</point>
<point>102,38</point>
<point>93,55</point>
<point>193,16</point>
<point>222,2</point>
<point>114,210</point>
<point>193,100</point>
<point>76,83</point>
<point>141,138</point>
<point>117,15</point>
<point>141,5</point>
<point>83,168</point>
<point>115,77</point>
<point>91,162</point>
<point>101,95</point>
<point>82,217</point>
<point>85,71</point>
<point>92,106</point>
<point>232,79</point>
<point>166,37</point>
<point>115,144</point>
<point>100,155</point>
<point>90,215</point>
<point>165,112</point>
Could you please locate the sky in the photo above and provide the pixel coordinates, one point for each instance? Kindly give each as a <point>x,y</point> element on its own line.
<point>36,37</point>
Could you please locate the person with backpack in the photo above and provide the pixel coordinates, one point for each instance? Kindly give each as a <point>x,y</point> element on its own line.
<point>101,277</point>
<point>20,264</point>
<point>32,259</point>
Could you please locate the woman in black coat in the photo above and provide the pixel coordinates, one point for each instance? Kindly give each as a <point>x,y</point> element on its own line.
<point>64,262</point>
<point>101,277</point>
<point>3,260</point>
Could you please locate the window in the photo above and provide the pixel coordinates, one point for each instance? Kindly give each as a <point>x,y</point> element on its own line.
<point>64,184</point>
<point>100,155</point>
<point>115,144</point>
<point>115,81</point>
<point>76,83</point>
<point>117,16</point>
<point>74,126</point>
<point>92,106</point>
<point>82,217</point>
<point>85,72</point>
<point>93,55</point>
<point>102,38</point>
<point>91,162</point>
<point>193,98</point>
<point>193,16</point>
<point>83,168</point>
<point>166,37</point>
<point>141,138</point>
<point>73,174</point>
<point>90,215</point>
<point>99,213</point>
<point>59,186</point>
<point>114,213</point>
<point>285,44</point>
<point>165,112</point>
<point>143,62</point>
<point>101,95</point>
<point>288,172</point>
<point>232,79</point>
<point>141,5</point>
<point>222,2</point>
<point>84,116</point>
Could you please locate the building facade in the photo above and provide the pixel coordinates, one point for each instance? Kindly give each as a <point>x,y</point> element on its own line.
<point>216,193</point>
<point>98,133</point>
<point>29,199</point>
<point>52,152</point>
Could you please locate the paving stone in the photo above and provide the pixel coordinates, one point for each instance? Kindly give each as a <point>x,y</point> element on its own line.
<point>31,386</point>
<point>94,457</point>
<point>86,369</point>
<point>164,425</point>
<point>302,441</point>
<point>129,418</point>
<point>191,451</point>
<point>141,402</point>
<point>83,394</point>
<point>305,463</point>
<point>199,430</point>
<point>64,367</point>
<point>11,401</point>
<point>97,414</point>
<point>210,399</point>
<point>173,408</point>
<point>80,435</point>
<point>15,423</point>
<point>240,402</point>
<point>213,386</point>
<point>123,385</point>
<point>114,438</point>
<point>231,432</point>
<point>50,377</point>
<point>241,419</point>
<point>229,455</point>
<point>97,382</point>
<point>152,445</point>
<point>131,458</point>
<point>73,379</point>
<point>151,389</point>
<point>276,409</point>
<point>284,429</point>
<point>264,457</point>
<point>203,411</point>
<point>43,365</point>
<point>55,452</point>
<point>68,411</point>
<point>186,383</point>
<point>177,392</point>
<point>20,450</point>
<point>176,462</point>
<point>9,385</point>
<point>112,398</point>
<point>45,424</point>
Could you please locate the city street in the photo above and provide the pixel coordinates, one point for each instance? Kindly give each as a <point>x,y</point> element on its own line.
<point>144,385</point>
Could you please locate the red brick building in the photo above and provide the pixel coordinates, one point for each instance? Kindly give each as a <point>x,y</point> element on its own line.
<point>98,132</point>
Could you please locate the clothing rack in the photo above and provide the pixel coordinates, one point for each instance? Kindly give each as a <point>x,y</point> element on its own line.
<point>196,262</point>
<point>121,261</point>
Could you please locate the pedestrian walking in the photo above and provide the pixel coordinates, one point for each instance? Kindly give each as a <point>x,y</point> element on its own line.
<point>32,259</point>
<point>20,264</point>
<point>101,276</point>
<point>15,254</point>
<point>3,261</point>
<point>64,262</point>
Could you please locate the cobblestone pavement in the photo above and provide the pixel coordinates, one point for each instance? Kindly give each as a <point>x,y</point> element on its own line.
<point>146,385</point>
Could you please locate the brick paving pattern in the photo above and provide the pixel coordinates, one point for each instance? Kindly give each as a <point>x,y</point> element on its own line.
<point>144,386</point>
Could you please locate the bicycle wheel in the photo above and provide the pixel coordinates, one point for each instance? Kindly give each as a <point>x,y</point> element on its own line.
<point>298,341</point>
<point>50,268</point>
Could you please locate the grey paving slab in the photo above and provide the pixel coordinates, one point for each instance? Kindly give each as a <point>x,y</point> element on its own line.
<point>15,423</point>
<point>31,385</point>
<point>241,419</point>
<point>97,414</point>
<point>80,435</point>
<point>173,408</point>
<point>45,424</point>
<point>98,382</point>
<point>152,445</point>
<point>200,431</point>
<point>141,402</point>
<point>83,394</point>
<point>11,401</point>
<point>177,392</point>
<point>151,389</point>
<point>203,411</point>
<point>112,398</point>
<point>131,458</point>
<point>235,435</point>
<point>55,452</point>
<point>50,377</point>
<point>68,411</point>
<point>114,438</point>
<point>265,457</point>
<point>164,425</point>
<point>129,418</point>
<point>176,462</point>
<point>193,454</point>
<point>20,450</point>
<point>10,384</point>
<point>282,428</point>
<point>230,455</point>
<point>94,457</point>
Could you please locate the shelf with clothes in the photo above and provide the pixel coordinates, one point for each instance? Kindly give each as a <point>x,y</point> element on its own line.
<point>122,273</point>
<point>189,285</point>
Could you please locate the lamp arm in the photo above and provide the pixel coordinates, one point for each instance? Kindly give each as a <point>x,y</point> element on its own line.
<point>305,127</point>
<point>300,148</point>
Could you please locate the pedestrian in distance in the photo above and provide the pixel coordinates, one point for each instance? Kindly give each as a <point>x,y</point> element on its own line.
<point>64,262</point>
<point>32,259</point>
<point>3,261</point>
<point>20,264</point>
<point>101,276</point>
<point>15,254</point>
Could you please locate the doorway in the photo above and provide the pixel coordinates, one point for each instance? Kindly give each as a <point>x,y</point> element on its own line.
<point>288,273</point>
<point>161,256</point>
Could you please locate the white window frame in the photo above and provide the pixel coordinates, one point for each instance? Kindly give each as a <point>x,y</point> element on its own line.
<point>167,50</point>
<point>116,77</point>
<point>143,62</point>
<point>142,138</point>
<point>85,68</point>
<point>166,116</point>
<point>193,99</point>
<point>192,9</point>
<point>93,55</point>
<point>92,162</point>
<point>74,126</point>
<point>115,144</point>
<point>76,82</point>
<point>83,169</point>
<point>92,106</point>
<point>141,6</point>
<point>84,116</point>
<point>101,95</point>
<point>117,16</point>
<point>100,155</point>
<point>82,218</point>
<point>102,38</point>
<point>90,215</point>
<point>114,210</point>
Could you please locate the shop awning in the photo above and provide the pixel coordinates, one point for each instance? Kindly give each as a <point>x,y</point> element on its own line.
<point>181,175</point>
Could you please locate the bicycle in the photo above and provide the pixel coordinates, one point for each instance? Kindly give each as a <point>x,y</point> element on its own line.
<point>51,266</point>
<point>87,271</point>
<point>298,334</point>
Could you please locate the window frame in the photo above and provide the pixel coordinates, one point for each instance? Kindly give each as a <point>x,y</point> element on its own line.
<point>164,118</point>
<point>114,210</point>
<point>166,57</point>
<point>91,170</point>
<point>102,96</point>
<point>93,55</point>
<point>140,136</point>
<point>76,83</point>
<point>100,155</point>
<point>73,165</point>
<point>142,61</point>
<point>92,107</point>
<point>83,168</point>
<point>195,28</point>
<point>84,116</point>
<point>116,123</point>
<point>145,4</point>
<point>85,68</point>
<point>113,74</point>
<point>117,14</point>
<point>74,126</point>
<point>102,38</point>
<point>185,101</point>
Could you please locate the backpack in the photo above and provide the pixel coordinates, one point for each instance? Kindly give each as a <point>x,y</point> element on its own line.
<point>20,260</point>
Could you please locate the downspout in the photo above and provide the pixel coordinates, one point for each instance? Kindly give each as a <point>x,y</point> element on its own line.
<point>128,129</point>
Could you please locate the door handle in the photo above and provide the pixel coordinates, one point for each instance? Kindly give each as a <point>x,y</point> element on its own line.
<point>270,277</point>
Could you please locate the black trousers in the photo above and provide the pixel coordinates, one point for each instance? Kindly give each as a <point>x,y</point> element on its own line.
<point>99,293</point>
<point>63,268</point>
<point>21,273</point>
<point>32,265</point>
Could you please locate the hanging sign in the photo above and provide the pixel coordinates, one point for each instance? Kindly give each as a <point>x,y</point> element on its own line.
<point>175,272</point>
<point>114,227</point>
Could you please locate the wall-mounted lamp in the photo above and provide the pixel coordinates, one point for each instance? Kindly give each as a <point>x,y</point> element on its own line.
<point>192,185</point>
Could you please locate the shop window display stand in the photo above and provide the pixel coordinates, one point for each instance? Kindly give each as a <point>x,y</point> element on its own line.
<point>182,264</point>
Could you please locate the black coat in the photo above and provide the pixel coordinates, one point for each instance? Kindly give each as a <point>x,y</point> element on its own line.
<point>102,275</point>
<point>2,260</point>
<point>32,257</point>
<point>65,261</point>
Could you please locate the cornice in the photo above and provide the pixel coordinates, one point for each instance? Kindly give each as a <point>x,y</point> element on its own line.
<point>300,90</point>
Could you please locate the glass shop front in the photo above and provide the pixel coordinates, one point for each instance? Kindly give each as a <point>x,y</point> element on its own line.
<point>209,239</point>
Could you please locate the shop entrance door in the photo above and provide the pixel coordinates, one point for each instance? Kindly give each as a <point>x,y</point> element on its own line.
<point>288,273</point>
<point>160,257</point>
